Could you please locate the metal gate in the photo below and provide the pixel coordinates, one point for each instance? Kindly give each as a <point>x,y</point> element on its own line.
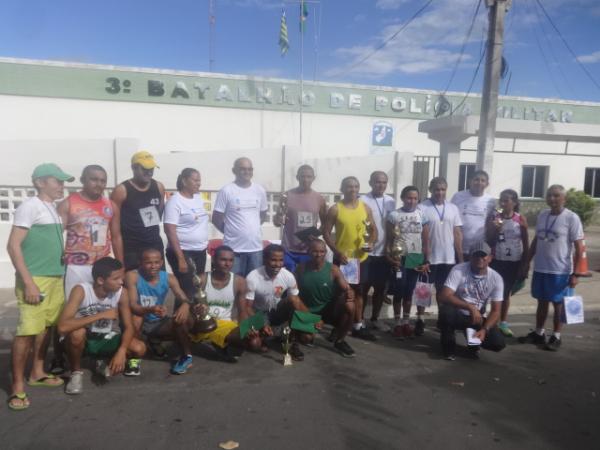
<point>424,169</point>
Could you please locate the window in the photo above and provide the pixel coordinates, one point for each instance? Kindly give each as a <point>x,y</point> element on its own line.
<point>465,172</point>
<point>591,185</point>
<point>534,181</point>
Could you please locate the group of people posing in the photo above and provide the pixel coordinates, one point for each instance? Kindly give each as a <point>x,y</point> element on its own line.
<point>330,260</point>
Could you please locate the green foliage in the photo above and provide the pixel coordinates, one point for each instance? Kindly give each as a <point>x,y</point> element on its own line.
<point>582,204</point>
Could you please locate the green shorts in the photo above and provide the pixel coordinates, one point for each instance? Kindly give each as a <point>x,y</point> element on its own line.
<point>99,345</point>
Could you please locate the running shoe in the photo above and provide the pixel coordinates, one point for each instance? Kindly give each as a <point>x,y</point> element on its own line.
<point>57,366</point>
<point>75,384</point>
<point>505,330</point>
<point>344,349</point>
<point>133,367</point>
<point>553,344</point>
<point>182,365</point>
<point>533,338</point>
<point>419,327</point>
<point>451,357</point>
<point>363,333</point>
<point>101,368</point>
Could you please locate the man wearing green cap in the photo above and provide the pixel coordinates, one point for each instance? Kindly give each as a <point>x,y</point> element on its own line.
<point>35,246</point>
<point>140,204</point>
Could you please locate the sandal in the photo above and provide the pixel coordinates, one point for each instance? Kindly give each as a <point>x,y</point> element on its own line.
<point>21,397</point>
<point>47,381</point>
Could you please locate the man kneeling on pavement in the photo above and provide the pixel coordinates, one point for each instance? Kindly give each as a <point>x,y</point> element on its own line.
<point>89,321</point>
<point>463,300</point>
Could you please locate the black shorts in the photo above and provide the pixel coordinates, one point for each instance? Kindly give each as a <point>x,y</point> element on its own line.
<point>439,273</point>
<point>186,280</point>
<point>509,271</point>
<point>282,313</point>
<point>403,287</point>
<point>377,270</point>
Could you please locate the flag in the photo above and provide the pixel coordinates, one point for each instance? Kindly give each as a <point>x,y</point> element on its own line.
<point>303,15</point>
<point>284,44</point>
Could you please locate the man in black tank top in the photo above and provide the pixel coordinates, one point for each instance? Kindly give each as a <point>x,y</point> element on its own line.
<point>140,201</point>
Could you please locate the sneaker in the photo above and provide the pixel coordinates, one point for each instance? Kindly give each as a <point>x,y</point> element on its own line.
<point>419,327</point>
<point>57,366</point>
<point>132,368</point>
<point>311,342</point>
<point>295,352</point>
<point>182,365</point>
<point>505,330</point>
<point>363,333</point>
<point>75,384</point>
<point>344,349</point>
<point>101,368</point>
<point>374,324</point>
<point>533,338</point>
<point>450,357</point>
<point>553,344</point>
<point>331,337</point>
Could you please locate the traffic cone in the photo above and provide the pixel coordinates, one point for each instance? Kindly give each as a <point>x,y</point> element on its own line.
<point>582,269</point>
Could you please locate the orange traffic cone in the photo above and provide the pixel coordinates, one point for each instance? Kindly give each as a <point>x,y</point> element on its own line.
<point>582,268</point>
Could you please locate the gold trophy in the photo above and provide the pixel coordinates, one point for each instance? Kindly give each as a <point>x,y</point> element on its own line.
<point>366,247</point>
<point>286,345</point>
<point>398,249</point>
<point>499,221</point>
<point>204,323</point>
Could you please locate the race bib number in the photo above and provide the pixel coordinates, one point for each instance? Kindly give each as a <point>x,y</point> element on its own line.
<point>98,233</point>
<point>150,216</point>
<point>147,300</point>
<point>305,219</point>
<point>102,326</point>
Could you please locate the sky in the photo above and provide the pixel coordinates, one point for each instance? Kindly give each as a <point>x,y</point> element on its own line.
<point>343,40</point>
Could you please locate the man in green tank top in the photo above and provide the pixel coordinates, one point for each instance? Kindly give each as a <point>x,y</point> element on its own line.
<point>324,291</point>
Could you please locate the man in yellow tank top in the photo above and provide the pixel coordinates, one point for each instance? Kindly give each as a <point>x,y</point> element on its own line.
<point>353,220</point>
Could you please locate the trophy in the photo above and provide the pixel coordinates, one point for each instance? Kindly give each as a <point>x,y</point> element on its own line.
<point>398,249</point>
<point>283,206</point>
<point>204,323</point>
<point>366,247</point>
<point>499,221</point>
<point>286,345</point>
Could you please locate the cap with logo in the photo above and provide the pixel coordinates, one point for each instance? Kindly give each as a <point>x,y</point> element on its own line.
<point>480,247</point>
<point>144,159</point>
<point>51,170</point>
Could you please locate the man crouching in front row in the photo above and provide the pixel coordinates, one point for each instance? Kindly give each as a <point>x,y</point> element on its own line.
<point>90,322</point>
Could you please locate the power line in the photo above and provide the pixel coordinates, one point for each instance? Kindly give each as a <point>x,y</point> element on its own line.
<point>384,43</point>
<point>592,79</point>
<point>464,45</point>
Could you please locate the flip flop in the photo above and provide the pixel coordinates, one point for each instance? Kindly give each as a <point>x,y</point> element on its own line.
<point>22,396</point>
<point>45,381</point>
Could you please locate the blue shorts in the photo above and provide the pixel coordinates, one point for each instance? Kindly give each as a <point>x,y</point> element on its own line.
<point>550,287</point>
<point>292,259</point>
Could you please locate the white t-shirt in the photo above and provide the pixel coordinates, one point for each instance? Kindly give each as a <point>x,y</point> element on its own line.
<point>242,208</point>
<point>92,305</point>
<point>474,212</point>
<point>475,289</point>
<point>264,292</point>
<point>191,219</point>
<point>380,207</point>
<point>441,220</point>
<point>555,237</point>
<point>411,225</point>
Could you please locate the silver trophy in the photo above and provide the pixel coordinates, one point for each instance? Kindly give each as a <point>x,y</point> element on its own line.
<point>283,206</point>
<point>286,345</point>
<point>499,221</point>
<point>204,322</point>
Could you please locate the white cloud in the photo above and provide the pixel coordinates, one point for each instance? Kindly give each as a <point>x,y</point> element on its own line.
<point>591,58</point>
<point>430,43</point>
<point>389,4</point>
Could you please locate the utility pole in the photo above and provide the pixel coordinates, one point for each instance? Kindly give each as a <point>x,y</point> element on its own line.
<point>491,81</point>
<point>211,35</point>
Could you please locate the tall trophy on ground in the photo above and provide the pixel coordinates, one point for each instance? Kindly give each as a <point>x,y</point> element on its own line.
<point>204,322</point>
<point>286,345</point>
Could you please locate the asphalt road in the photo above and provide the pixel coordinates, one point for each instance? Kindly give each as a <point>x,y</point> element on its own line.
<point>394,394</point>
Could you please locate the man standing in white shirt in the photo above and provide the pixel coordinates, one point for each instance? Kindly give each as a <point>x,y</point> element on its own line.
<point>475,206</point>
<point>240,209</point>
<point>466,293</point>
<point>377,266</point>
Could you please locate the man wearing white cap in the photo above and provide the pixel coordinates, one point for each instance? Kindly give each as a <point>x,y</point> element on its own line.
<point>140,201</point>
<point>463,300</point>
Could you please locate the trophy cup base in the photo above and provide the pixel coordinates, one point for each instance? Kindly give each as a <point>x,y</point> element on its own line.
<point>204,325</point>
<point>287,359</point>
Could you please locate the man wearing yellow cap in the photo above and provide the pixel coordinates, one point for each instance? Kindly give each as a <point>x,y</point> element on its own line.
<point>140,201</point>
<point>35,246</point>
